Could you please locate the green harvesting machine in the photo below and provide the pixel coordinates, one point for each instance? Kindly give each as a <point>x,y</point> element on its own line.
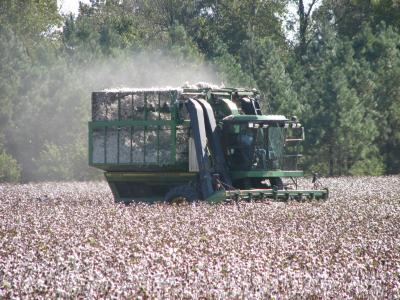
<point>194,143</point>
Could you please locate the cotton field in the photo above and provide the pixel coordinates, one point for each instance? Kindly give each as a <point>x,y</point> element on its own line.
<point>69,240</point>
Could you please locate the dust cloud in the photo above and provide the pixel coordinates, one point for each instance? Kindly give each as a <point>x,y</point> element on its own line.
<point>49,138</point>
<point>147,71</point>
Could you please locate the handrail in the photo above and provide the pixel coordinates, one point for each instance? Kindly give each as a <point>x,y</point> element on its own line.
<point>293,140</point>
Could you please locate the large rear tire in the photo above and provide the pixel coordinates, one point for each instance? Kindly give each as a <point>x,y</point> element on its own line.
<point>181,194</point>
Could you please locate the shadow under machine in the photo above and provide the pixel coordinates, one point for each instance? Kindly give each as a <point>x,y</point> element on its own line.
<point>194,144</point>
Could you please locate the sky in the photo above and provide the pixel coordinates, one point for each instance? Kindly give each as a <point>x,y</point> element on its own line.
<point>68,6</point>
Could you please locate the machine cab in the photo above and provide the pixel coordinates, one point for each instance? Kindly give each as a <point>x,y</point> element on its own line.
<point>259,142</point>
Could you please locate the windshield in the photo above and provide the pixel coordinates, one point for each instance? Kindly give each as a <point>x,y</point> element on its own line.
<point>251,148</point>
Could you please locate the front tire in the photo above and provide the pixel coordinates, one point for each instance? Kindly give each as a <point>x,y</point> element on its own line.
<point>276,182</point>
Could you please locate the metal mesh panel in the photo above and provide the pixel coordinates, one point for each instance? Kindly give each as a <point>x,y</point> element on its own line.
<point>111,145</point>
<point>125,145</point>
<point>183,112</point>
<point>152,106</point>
<point>98,145</point>
<point>164,144</point>
<point>130,144</point>
<point>138,142</point>
<point>165,106</point>
<point>136,106</point>
<point>151,144</point>
<point>182,144</point>
<point>126,104</point>
<point>99,106</point>
<point>112,109</point>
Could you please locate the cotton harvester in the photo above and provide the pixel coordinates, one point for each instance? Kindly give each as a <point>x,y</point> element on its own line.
<point>198,143</point>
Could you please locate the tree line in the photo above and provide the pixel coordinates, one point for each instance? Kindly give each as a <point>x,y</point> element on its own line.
<point>335,64</point>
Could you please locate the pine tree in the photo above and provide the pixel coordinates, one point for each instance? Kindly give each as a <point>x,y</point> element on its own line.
<point>342,129</point>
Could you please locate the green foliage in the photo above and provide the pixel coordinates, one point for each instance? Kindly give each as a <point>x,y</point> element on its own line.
<point>13,63</point>
<point>78,161</point>
<point>52,163</point>
<point>229,70</point>
<point>343,87</point>
<point>68,162</point>
<point>232,22</point>
<point>182,47</point>
<point>272,78</point>
<point>352,15</point>
<point>340,119</point>
<point>29,18</point>
<point>9,169</point>
<point>373,166</point>
<point>383,53</point>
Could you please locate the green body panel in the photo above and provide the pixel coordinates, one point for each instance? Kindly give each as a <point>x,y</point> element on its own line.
<point>151,176</point>
<point>228,107</point>
<point>145,186</point>
<point>150,167</point>
<point>96,124</point>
